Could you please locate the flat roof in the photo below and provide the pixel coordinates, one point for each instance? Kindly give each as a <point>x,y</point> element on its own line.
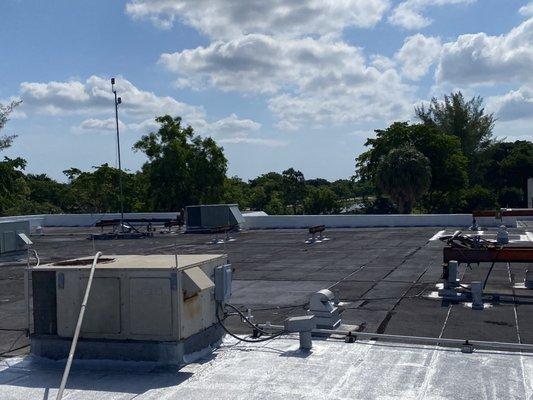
<point>386,278</point>
<point>278,370</point>
<point>133,261</point>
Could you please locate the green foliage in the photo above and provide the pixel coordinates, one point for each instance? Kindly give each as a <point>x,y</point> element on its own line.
<point>182,168</point>
<point>6,140</point>
<point>510,197</point>
<point>448,164</point>
<point>478,198</point>
<point>275,205</point>
<point>236,191</point>
<point>98,191</point>
<point>506,165</point>
<point>294,188</point>
<point>321,200</point>
<point>404,175</point>
<point>379,205</point>
<point>463,119</point>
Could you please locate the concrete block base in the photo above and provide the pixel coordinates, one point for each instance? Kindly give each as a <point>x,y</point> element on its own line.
<point>57,348</point>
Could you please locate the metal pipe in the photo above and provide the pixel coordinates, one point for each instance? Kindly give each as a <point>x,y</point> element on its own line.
<point>418,339</point>
<point>78,328</point>
<point>27,293</point>
<point>117,102</point>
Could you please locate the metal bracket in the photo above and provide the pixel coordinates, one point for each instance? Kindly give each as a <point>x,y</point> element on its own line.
<point>467,348</point>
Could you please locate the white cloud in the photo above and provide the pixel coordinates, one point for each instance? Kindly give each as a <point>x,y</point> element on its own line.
<point>409,13</point>
<point>233,125</point>
<point>417,55</point>
<point>94,96</point>
<point>254,141</point>
<point>138,110</point>
<point>382,63</point>
<point>483,59</point>
<point>309,80</point>
<point>260,63</point>
<point>231,129</point>
<point>527,10</point>
<point>230,18</point>
<point>514,105</point>
<point>96,124</point>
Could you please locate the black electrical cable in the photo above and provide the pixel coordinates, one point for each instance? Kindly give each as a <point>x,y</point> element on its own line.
<point>245,318</point>
<point>243,339</point>
<point>488,274</point>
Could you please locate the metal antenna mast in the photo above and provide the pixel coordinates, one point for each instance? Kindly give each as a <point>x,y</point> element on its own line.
<point>118,101</point>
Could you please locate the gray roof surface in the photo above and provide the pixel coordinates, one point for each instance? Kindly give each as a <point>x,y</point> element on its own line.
<point>278,370</point>
<point>384,275</point>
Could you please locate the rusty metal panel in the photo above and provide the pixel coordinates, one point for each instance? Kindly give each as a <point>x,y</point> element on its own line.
<point>194,281</point>
<point>505,254</point>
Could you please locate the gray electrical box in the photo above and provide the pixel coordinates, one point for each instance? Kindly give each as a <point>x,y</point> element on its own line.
<point>223,276</point>
<point>9,235</point>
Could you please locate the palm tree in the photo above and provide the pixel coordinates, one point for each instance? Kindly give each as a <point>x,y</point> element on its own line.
<point>404,175</point>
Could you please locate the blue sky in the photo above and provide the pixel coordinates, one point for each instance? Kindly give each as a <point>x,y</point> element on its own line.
<point>279,83</point>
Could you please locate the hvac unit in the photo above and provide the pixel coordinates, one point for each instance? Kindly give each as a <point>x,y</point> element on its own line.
<point>140,307</point>
<point>205,218</point>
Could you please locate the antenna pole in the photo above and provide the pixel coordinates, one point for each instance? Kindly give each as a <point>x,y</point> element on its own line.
<point>118,101</point>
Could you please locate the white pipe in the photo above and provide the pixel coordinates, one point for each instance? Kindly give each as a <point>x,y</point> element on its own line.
<point>418,339</point>
<point>78,328</point>
<point>27,293</point>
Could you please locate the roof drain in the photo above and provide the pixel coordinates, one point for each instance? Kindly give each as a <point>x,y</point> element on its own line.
<point>78,328</point>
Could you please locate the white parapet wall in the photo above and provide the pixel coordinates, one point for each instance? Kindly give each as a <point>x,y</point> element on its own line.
<point>260,220</point>
<point>73,220</point>
<point>365,220</point>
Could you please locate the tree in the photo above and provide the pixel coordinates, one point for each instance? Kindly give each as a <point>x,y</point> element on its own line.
<point>13,187</point>
<point>506,165</point>
<point>343,188</point>
<point>293,188</point>
<point>7,140</point>
<point>405,175</point>
<point>464,119</point>
<point>46,196</point>
<point>511,197</point>
<point>447,162</point>
<point>97,191</point>
<point>321,200</point>
<point>182,168</point>
<point>236,191</point>
<point>275,206</point>
<point>478,198</point>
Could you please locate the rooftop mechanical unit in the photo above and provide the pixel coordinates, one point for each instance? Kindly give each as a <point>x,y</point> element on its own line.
<point>9,239</point>
<point>141,308</point>
<point>206,218</point>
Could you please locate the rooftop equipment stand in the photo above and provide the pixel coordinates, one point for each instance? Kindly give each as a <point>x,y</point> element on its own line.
<point>78,328</point>
<point>118,101</point>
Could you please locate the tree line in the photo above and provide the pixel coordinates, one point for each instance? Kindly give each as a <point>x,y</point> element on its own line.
<point>448,161</point>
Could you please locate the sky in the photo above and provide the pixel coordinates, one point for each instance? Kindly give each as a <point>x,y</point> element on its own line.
<point>278,83</point>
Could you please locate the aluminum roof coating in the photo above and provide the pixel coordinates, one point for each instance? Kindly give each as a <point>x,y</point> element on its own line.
<point>278,370</point>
